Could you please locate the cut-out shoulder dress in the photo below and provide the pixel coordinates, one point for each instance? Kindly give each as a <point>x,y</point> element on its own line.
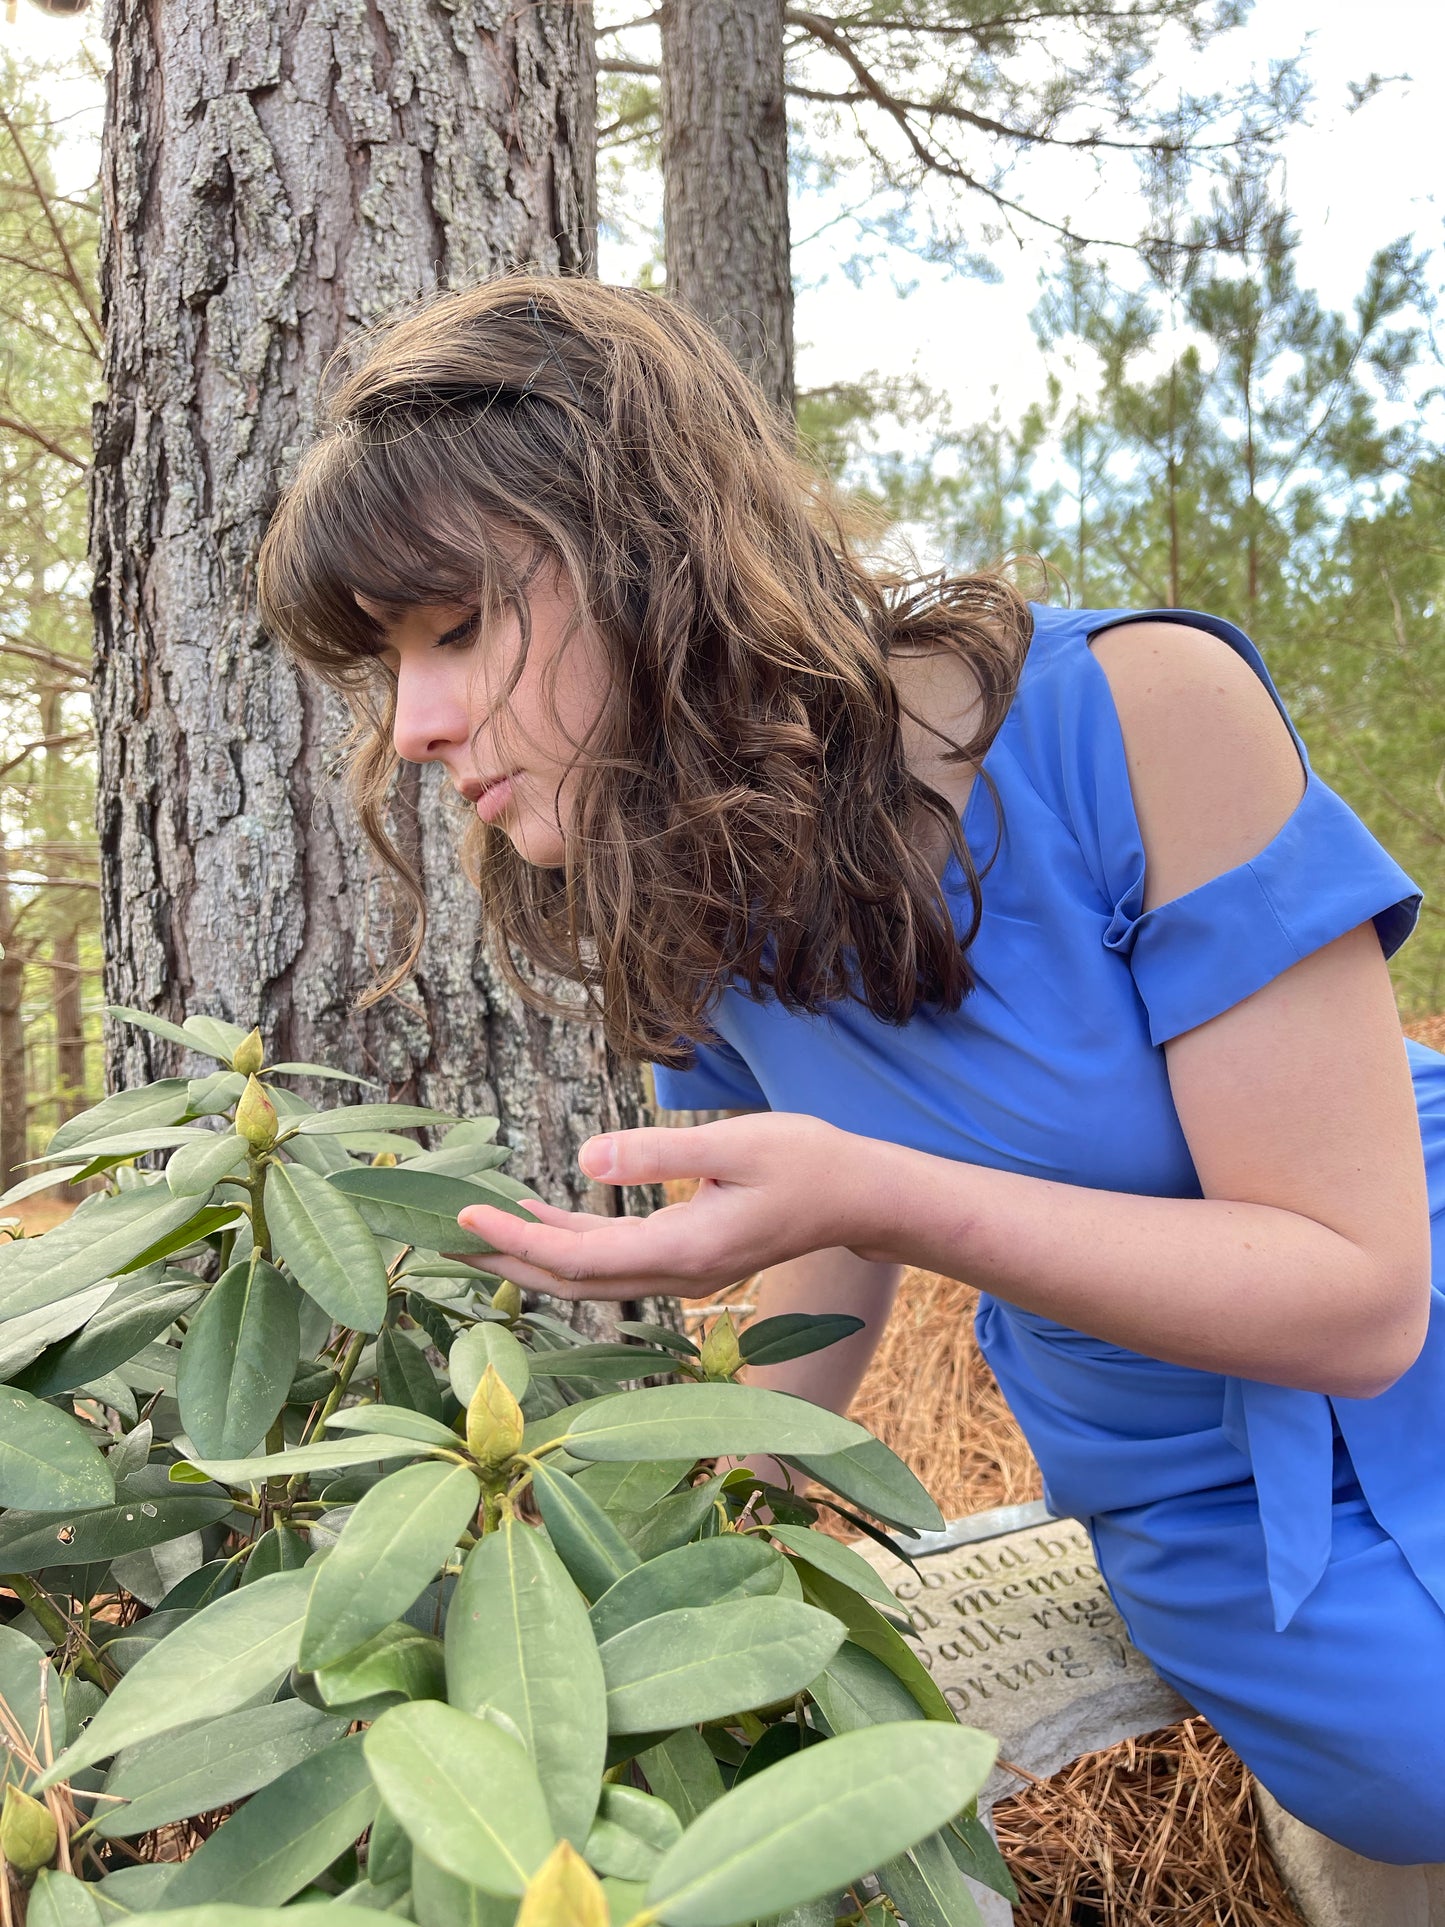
<point>1278,1554</point>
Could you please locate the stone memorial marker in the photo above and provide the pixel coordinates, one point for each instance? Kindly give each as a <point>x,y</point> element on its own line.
<point>1023,1639</point>
<point>1011,1616</point>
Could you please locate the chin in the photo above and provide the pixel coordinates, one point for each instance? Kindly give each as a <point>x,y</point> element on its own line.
<point>537,844</point>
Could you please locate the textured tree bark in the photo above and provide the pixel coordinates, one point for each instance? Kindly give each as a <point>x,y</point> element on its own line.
<point>725,179</point>
<point>13,1087</point>
<point>276,174</point>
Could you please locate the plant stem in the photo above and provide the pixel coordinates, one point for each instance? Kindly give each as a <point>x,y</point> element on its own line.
<point>256,1185</point>
<point>278,1490</point>
<point>356,1345</point>
<point>60,1628</point>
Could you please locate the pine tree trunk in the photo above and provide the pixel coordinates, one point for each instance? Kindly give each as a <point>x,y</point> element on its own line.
<point>275,175</point>
<point>725,179</point>
<point>13,1086</point>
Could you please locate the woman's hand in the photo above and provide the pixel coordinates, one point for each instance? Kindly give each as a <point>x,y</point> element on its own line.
<point>773,1185</point>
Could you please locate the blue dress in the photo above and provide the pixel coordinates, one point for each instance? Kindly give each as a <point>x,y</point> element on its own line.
<point>1279,1554</point>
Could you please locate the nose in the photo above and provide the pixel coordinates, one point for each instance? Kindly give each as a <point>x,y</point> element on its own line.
<point>432,711</point>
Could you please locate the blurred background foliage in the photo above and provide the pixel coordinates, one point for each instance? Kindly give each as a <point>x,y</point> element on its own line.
<point>1208,436</point>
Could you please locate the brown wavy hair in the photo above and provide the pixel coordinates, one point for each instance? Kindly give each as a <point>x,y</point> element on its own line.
<point>746,780</point>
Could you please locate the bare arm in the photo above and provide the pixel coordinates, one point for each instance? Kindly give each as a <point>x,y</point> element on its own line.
<point>833,1280</point>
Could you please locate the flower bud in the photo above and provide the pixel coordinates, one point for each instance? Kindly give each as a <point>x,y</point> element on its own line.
<point>494,1422</point>
<point>256,1116</point>
<point>28,1833</point>
<point>721,1357</point>
<point>384,1160</point>
<point>563,1892</point>
<point>507,1299</point>
<point>250,1054</point>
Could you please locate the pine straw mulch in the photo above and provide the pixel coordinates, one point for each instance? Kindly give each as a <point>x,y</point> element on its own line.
<point>1155,1831</point>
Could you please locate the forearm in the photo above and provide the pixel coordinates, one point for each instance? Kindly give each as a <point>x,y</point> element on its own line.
<point>836,1280</point>
<point>1244,1289</point>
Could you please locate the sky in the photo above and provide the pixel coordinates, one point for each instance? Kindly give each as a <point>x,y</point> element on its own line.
<point>1354,180</point>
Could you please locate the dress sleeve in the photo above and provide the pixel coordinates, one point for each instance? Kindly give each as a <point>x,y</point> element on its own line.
<point>1201,953</point>
<point>718,1080</point>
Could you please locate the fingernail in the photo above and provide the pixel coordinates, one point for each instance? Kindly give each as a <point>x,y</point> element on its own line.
<point>601,1154</point>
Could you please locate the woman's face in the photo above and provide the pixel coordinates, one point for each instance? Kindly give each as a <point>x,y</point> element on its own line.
<point>451,672</point>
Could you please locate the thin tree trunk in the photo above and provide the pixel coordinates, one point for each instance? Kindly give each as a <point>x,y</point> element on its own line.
<point>270,183</point>
<point>13,1087</point>
<point>725,179</point>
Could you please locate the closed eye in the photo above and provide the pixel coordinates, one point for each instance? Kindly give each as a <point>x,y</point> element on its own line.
<point>464,631</point>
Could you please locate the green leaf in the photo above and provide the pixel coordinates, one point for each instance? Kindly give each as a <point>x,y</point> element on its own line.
<point>420,1207</point>
<point>391,1547</point>
<point>709,1573</point>
<point>322,1238</point>
<point>793,1335</point>
<point>23,1339</point>
<point>682,1771</point>
<point>482,1345</point>
<point>618,1362</point>
<point>631,1832</point>
<point>319,1454</point>
<point>672,1522</point>
<point>400,1659</point>
<point>465,1791</point>
<point>280,1549</point>
<point>670,1421</point>
<point>136,1143</point>
<point>825,1554</point>
<point>388,1851</point>
<point>669,1340</point>
<point>39,1181</point>
<point>320,1070</point>
<point>707,1662</point>
<point>209,1096</point>
<point>405,1377</point>
<point>462,1160</point>
<point>216,1034</point>
<point>100,1239</point>
<point>215,1662</point>
<point>817,1822</point>
<point>285,1835</point>
<point>210,1766</point>
<point>237,1360</point>
<point>396,1422</point>
<point>867,1628</point>
<point>975,1853</point>
<point>138,1308</point>
<point>201,1163</point>
<point>47,1462</point>
<point>854,1690</point>
<point>585,1539</point>
<point>518,1641</point>
<point>345,1119</point>
<point>928,1889</point>
<point>164,1102</point>
<point>632,1486</point>
<point>147,1511</point>
<point>205,1223</point>
<point>874,1479</point>
<point>60,1900</point>
<point>438,1899</point>
<point>23,1667</point>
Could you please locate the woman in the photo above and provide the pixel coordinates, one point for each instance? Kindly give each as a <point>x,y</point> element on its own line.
<point>1040,953</point>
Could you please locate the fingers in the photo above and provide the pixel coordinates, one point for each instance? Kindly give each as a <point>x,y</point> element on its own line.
<point>651,1155</point>
<point>609,1248</point>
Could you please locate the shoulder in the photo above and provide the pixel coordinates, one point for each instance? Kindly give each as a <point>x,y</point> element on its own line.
<point>1212,765</point>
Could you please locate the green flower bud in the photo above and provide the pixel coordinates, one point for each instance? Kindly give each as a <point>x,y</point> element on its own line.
<point>384,1160</point>
<point>721,1357</point>
<point>28,1833</point>
<point>256,1116</point>
<point>494,1422</point>
<point>507,1299</point>
<point>250,1054</point>
<point>563,1892</point>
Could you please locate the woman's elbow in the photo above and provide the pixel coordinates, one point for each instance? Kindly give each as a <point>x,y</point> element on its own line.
<point>1394,1338</point>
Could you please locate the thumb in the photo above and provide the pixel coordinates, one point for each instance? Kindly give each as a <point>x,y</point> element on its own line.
<point>654,1153</point>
